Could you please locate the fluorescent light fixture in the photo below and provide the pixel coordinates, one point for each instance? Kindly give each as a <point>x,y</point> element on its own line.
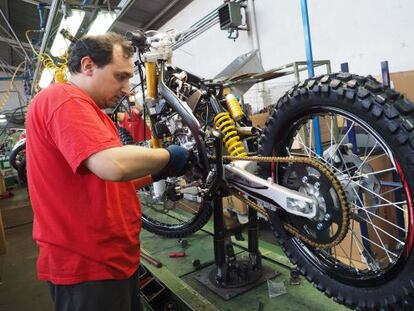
<point>46,78</point>
<point>102,23</point>
<point>72,24</point>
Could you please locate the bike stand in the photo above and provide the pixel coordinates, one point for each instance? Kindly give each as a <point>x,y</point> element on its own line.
<point>232,276</point>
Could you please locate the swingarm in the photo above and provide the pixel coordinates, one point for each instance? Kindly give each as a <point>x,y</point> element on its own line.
<point>240,175</point>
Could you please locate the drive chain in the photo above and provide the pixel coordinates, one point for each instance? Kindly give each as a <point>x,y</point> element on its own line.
<point>324,169</point>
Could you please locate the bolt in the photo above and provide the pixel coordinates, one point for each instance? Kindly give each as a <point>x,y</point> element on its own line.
<point>327,217</point>
<point>319,226</point>
<point>317,185</point>
<point>305,179</point>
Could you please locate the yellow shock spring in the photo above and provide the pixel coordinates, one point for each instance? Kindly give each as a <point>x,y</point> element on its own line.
<point>234,107</point>
<point>231,140</point>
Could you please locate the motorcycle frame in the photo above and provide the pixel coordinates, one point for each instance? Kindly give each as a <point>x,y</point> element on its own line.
<point>235,176</point>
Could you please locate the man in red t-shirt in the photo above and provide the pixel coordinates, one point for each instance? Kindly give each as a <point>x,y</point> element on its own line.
<point>87,217</point>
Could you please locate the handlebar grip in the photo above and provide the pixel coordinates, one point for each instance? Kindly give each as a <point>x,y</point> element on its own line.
<point>138,38</point>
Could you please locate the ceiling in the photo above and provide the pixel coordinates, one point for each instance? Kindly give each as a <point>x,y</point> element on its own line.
<point>23,15</point>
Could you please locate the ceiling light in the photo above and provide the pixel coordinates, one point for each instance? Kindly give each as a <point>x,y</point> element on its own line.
<point>102,23</point>
<point>70,23</point>
<point>46,78</point>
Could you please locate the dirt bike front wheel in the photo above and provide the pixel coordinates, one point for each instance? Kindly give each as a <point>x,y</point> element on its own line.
<point>364,134</point>
<point>173,214</point>
<point>17,155</point>
<point>173,218</point>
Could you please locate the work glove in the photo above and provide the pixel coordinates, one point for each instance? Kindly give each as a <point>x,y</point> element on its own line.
<point>178,164</point>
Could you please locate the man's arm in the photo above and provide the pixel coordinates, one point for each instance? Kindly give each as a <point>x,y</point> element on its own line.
<point>127,162</point>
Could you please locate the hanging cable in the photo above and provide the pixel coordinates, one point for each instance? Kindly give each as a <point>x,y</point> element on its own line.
<point>58,68</point>
<point>6,95</point>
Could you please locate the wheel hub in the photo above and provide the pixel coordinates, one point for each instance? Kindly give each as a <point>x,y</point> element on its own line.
<point>323,228</point>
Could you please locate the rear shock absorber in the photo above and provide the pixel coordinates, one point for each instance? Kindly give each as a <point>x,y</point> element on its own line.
<point>234,107</point>
<point>227,126</point>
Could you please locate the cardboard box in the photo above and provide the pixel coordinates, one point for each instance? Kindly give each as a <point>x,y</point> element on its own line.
<point>231,203</point>
<point>403,82</point>
<point>259,119</point>
<point>350,247</point>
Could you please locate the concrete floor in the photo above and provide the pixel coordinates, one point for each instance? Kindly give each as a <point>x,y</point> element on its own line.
<point>19,287</point>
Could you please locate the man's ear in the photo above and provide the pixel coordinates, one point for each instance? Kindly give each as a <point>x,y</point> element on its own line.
<point>87,65</point>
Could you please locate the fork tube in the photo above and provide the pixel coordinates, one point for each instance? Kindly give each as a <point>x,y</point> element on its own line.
<point>152,92</point>
<point>151,80</point>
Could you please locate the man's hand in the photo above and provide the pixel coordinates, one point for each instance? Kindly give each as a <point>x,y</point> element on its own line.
<point>178,164</point>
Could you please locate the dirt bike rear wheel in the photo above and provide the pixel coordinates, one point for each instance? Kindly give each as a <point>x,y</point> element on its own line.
<point>367,135</point>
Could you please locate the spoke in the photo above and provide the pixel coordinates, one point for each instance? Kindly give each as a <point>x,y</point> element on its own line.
<point>391,190</point>
<point>366,146</point>
<point>386,204</point>
<point>303,144</point>
<point>310,134</point>
<point>373,173</point>
<point>383,219</point>
<point>377,157</point>
<point>343,138</point>
<point>378,196</point>
<point>359,244</point>
<point>367,156</point>
<point>372,224</point>
<point>348,256</point>
<point>332,138</point>
<point>385,232</point>
<point>352,240</point>
<point>383,248</point>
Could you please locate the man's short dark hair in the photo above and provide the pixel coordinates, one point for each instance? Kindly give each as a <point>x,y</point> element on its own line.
<point>98,48</point>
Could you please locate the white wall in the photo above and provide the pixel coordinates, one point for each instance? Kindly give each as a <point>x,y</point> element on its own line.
<point>360,32</point>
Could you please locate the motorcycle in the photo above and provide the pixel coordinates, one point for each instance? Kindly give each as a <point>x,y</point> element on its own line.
<point>332,172</point>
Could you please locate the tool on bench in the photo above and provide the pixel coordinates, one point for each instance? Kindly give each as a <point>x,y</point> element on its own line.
<point>151,260</point>
<point>176,254</point>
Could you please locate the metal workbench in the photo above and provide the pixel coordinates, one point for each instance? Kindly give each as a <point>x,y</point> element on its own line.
<point>177,275</point>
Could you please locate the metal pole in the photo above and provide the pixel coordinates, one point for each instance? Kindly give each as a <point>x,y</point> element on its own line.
<point>52,14</point>
<point>311,72</point>
<point>160,14</point>
<point>253,27</point>
<point>14,34</point>
<point>385,74</point>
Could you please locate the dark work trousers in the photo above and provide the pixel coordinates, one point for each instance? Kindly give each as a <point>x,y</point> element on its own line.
<point>106,295</point>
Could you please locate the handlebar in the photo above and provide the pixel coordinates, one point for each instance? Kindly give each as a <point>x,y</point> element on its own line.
<point>138,38</point>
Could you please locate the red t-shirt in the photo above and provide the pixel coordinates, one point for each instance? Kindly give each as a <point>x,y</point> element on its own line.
<point>86,228</point>
<point>136,126</point>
